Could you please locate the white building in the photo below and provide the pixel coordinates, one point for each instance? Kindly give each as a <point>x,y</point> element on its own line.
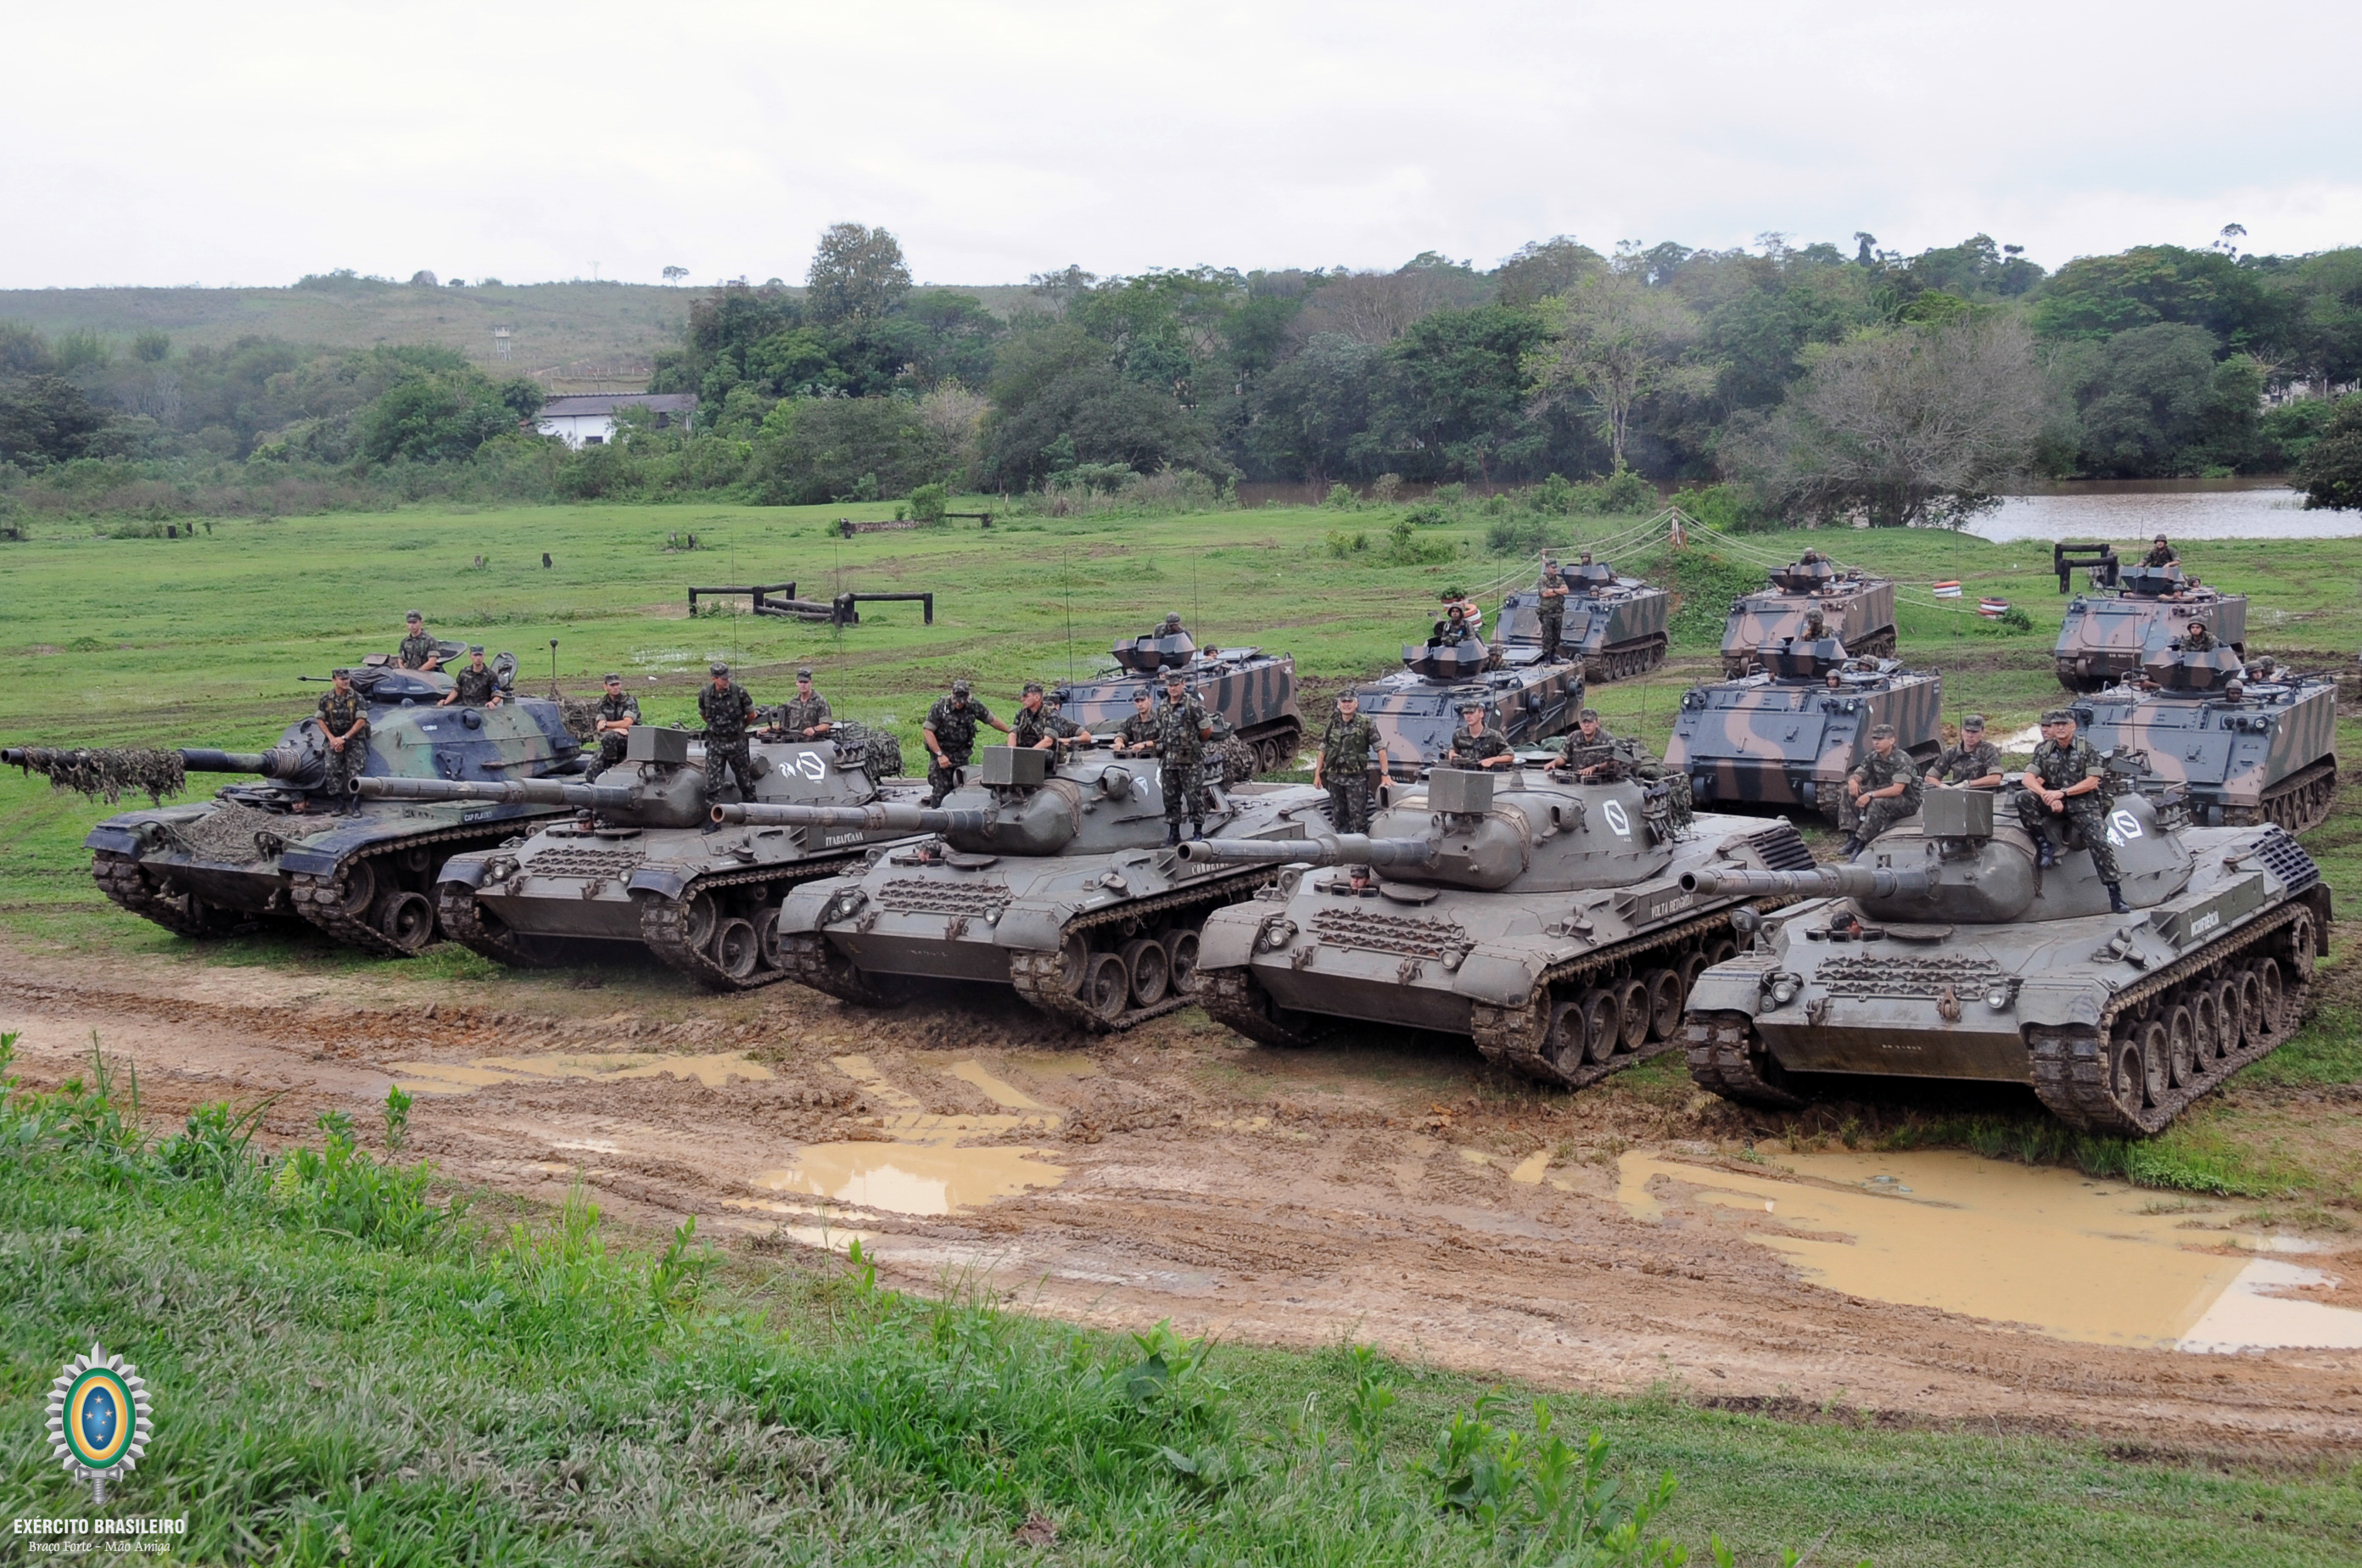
<point>590,421</point>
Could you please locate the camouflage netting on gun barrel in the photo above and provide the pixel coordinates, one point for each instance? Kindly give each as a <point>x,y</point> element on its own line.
<point>109,773</point>
<point>581,718</point>
<point>881,753</point>
<point>232,835</point>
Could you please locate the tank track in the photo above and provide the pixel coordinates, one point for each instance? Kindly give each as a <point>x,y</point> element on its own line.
<point>321,899</point>
<point>1723,1060</point>
<point>665,932</point>
<point>122,881</point>
<point>1514,1037</point>
<point>806,959</point>
<point>1625,662</point>
<point>1041,979</point>
<point>2298,803</point>
<point>457,913</point>
<point>1231,999</point>
<point>2072,1066</point>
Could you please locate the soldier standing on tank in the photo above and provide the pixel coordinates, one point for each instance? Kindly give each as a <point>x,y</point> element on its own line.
<point>478,686</point>
<point>806,715</point>
<point>343,718</point>
<point>1551,606</point>
<point>617,712</point>
<point>1183,729</point>
<point>1041,727</point>
<point>726,710</point>
<point>1974,764</point>
<point>950,735</point>
<point>2063,785</point>
<point>1342,764</point>
<point>1884,788</point>
<point>2198,638</point>
<point>1478,744</point>
<point>2160,553</point>
<point>418,651</point>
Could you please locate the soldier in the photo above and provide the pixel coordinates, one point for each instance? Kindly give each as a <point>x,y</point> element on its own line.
<point>950,735</point>
<point>1342,764</point>
<point>2197,638</point>
<point>806,715</point>
<point>1974,764</point>
<point>2160,553</point>
<point>1041,728</point>
<point>1454,598</point>
<point>478,686</point>
<point>1454,630</point>
<point>1816,625</point>
<point>1551,606</point>
<point>727,710</point>
<point>617,712</point>
<point>1169,627</point>
<point>1138,736</point>
<point>1884,788</point>
<point>1182,727</point>
<point>1478,744</point>
<point>418,651</point>
<point>2063,786</point>
<point>343,718</point>
<point>1589,751</point>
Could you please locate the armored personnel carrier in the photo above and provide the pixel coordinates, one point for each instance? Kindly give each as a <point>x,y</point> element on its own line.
<point>1050,878</point>
<point>1416,708</point>
<point>1251,692</point>
<point>636,862</point>
<point>1857,610</point>
<point>280,847</point>
<point>2106,633</point>
<point>1615,625</point>
<point>1942,953</point>
<point>1543,919</point>
<point>1789,734</point>
<point>2245,744</point>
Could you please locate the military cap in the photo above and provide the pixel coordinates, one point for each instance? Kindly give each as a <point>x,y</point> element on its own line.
<point>414,616</point>
<point>959,688</point>
<point>1881,731</point>
<point>2058,716</point>
<point>475,648</point>
<point>1033,689</point>
<point>717,668</point>
<point>1144,695</point>
<point>1592,713</point>
<point>803,672</point>
<point>612,679</point>
<point>1349,695</point>
<point>1173,617</point>
<point>1175,677</point>
<point>1973,721</point>
<point>1471,707</point>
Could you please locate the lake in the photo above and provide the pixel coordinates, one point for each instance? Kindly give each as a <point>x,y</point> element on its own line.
<point>2180,509</point>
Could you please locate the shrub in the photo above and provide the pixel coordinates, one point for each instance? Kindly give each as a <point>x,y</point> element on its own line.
<point>1341,543</point>
<point>1341,498</point>
<point>928,502</point>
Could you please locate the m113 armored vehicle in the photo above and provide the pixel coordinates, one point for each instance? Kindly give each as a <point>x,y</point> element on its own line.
<point>1615,625</point>
<point>1944,953</point>
<point>1789,734</point>
<point>1253,692</point>
<point>2106,633</point>
<point>1857,610</point>
<point>280,847</point>
<point>1051,877</point>
<point>637,860</point>
<point>1542,918</point>
<point>1416,708</point>
<point>2245,744</point>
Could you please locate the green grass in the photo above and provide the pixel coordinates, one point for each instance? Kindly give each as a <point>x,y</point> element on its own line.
<point>345,1370</point>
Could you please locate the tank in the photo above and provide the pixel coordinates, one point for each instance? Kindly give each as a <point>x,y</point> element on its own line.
<point>631,863</point>
<point>2245,744</point>
<point>1615,625</point>
<point>2107,632</point>
<point>1789,734</point>
<point>1942,953</point>
<point>1416,708</point>
<point>277,848</point>
<point>1857,610</point>
<point>1253,692</point>
<point>1545,919</point>
<point>1052,878</point>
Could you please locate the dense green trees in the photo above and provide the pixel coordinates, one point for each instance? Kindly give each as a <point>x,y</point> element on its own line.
<point>2330,474</point>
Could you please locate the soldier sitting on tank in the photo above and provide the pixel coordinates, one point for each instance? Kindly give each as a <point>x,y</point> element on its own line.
<point>2066,785</point>
<point>478,686</point>
<point>616,711</point>
<point>1550,605</point>
<point>950,735</point>
<point>1138,736</point>
<point>343,717</point>
<point>806,715</point>
<point>1974,764</point>
<point>1590,752</point>
<point>418,651</point>
<point>2197,638</point>
<point>1183,729</point>
<point>1884,789</point>
<point>2160,553</point>
<point>1344,762</point>
<point>1040,727</point>
<point>1478,744</point>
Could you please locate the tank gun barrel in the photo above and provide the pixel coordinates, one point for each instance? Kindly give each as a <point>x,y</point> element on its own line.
<point>889,816</point>
<point>1821,882</point>
<point>506,791</point>
<point>1342,849</point>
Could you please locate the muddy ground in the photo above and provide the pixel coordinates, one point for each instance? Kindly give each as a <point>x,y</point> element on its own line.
<point>1388,1190</point>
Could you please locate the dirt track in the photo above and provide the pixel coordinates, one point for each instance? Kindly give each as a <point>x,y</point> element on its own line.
<point>1393,1192</point>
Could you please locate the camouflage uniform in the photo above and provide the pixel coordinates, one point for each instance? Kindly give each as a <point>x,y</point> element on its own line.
<point>1876,772</point>
<point>1452,633</point>
<point>416,651</point>
<point>797,715</point>
<point>1552,607</point>
<point>1031,728</point>
<point>338,710</point>
<point>1347,750</point>
<point>2057,767</point>
<point>727,712</point>
<point>1140,729</point>
<point>477,686</point>
<point>2197,639</point>
<point>1470,751</point>
<point>613,744</point>
<point>1183,748</point>
<point>955,734</point>
<point>2159,556</point>
<point>1960,762</point>
<point>1581,753</point>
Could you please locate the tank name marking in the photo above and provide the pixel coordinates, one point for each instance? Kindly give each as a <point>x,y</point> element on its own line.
<point>1410,935</point>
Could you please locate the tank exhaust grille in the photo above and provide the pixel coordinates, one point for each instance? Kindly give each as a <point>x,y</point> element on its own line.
<point>584,862</point>
<point>915,895</point>
<point>1861,975</point>
<point>2286,858</point>
<point>1410,935</point>
<point>1782,847</point>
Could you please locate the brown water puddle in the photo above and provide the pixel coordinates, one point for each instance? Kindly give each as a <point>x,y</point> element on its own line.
<point>2068,1256</point>
<point>713,1071</point>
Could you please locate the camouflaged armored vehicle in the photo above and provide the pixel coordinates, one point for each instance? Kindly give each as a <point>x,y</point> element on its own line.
<point>2106,633</point>
<point>1789,734</point>
<point>1252,693</point>
<point>1857,610</point>
<point>2245,744</point>
<point>634,860</point>
<point>279,848</point>
<point>1615,625</point>
<point>1416,710</point>
<point>1050,878</point>
<point>1542,918</point>
<point>1942,953</point>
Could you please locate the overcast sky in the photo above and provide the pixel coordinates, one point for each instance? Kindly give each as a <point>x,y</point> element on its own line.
<point>251,143</point>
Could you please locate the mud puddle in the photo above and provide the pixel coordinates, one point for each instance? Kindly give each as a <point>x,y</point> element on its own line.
<point>713,1071</point>
<point>2072,1257</point>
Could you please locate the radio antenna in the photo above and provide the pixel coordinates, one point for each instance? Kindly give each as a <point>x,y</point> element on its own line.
<point>1067,576</point>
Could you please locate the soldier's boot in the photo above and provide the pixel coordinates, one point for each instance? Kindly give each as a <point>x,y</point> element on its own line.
<point>1198,828</point>
<point>2117,900</point>
<point>1851,847</point>
<point>2046,854</point>
<point>1172,834</point>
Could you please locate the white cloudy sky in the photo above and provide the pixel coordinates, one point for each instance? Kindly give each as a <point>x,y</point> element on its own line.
<point>150,143</point>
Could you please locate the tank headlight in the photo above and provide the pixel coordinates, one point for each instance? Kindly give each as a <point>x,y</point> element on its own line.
<point>1275,935</point>
<point>1783,991</point>
<point>1997,998</point>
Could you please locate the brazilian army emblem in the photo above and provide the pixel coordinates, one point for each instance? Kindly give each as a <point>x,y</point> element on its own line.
<point>99,1418</point>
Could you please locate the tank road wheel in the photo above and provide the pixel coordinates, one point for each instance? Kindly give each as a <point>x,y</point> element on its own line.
<point>1144,958</point>
<point>1075,964</point>
<point>1601,1024</point>
<point>2297,946</point>
<point>2180,1046</point>
<point>1666,995</point>
<point>2227,1018</point>
<point>1692,965</point>
<point>2206,1024</point>
<point>356,889</point>
<point>2272,1001</point>
<point>1563,1041</point>
<point>1181,962</point>
<point>407,920</point>
<point>2248,1008</point>
<point>767,937</point>
<point>698,919</point>
<point>1106,987</point>
<point>737,949</point>
<point>1633,1010</point>
<point>1721,950</point>
<point>2128,1078</point>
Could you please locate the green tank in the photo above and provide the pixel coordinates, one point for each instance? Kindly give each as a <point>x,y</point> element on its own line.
<point>1857,610</point>
<point>1542,919</point>
<point>2108,630</point>
<point>1615,625</point>
<point>1416,710</point>
<point>2244,743</point>
<point>1050,878</point>
<point>280,848</point>
<point>1944,953</point>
